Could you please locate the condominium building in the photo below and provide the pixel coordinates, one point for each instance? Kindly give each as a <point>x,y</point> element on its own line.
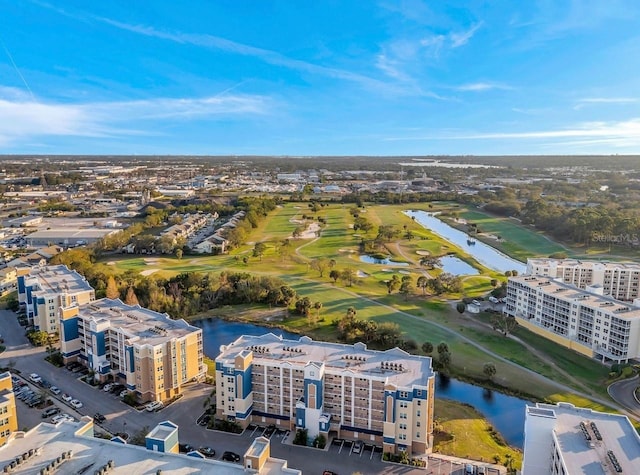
<point>8,417</point>
<point>591,324</point>
<point>44,290</point>
<point>146,350</point>
<point>616,279</point>
<point>383,398</point>
<point>566,440</point>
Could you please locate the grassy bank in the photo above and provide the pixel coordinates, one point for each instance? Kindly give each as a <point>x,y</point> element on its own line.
<point>464,432</point>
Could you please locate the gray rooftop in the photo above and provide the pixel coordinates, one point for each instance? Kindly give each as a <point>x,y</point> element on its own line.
<point>53,279</point>
<point>151,327</point>
<point>618,436</point>
<point>393,366</point>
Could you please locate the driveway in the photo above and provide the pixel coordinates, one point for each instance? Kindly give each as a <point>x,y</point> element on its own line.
<point>622,393</point>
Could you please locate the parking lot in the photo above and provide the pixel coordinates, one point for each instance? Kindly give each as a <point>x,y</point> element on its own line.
<point>338,457</point>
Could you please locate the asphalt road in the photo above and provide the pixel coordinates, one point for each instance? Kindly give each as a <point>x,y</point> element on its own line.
<point>622,393</point>
<point>184,412</point>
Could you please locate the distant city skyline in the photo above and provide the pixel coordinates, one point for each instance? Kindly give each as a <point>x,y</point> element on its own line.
<point>320,78</point>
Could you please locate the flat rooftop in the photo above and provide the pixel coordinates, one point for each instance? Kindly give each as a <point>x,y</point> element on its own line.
<point>151,327</point>
<point>71,233</point>
<point>52,279</point>
<point>393,366</point>
<point>90,454</point>
<point>571,293</point>
<point>617,433</point>
<point>542,262</point>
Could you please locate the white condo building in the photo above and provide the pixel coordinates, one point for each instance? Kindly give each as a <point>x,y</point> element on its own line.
<point>591,324</point>
<point>619,280</point>
<point>565,440</point>
<point>383,398</point>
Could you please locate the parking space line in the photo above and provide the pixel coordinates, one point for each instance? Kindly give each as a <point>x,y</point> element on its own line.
<point>341,445</point>
<point>254,430</point>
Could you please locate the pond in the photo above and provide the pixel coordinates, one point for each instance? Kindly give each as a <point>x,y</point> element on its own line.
<point>483,253</point>
<point>457,266</point>
<point>386,262</point>
<point>505,413</point>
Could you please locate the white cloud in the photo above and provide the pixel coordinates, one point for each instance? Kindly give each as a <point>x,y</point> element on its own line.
<point>26,118</point>
<point>462,38</point>
<point>481,86</point>
<point>620,134</point>
<point>590,101</point>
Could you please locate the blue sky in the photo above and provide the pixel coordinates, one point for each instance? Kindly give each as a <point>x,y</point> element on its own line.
<point>323,77</point>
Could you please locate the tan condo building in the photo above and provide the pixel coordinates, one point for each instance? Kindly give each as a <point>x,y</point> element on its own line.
<point>146,350</point>
<point>383,398</point>
<point>8,417</point>
<point>44,290</point>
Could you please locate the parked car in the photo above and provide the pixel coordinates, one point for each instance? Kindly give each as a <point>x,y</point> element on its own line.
<point>185,448</point>
<point>34,402</point>
<point>154,406</point>
<point>99,418</point>
<point>468,469</point>
<point>107,387</point>
<point>52,411</point>
<point>54,390</point>
<point>62,417</point>
<point>230,457</point>
<point>66,397</point>
<point>207,452</point>
<point>35,378</point>
<point>75,403</point>
<point>124,392</point>
<point>357,447</point>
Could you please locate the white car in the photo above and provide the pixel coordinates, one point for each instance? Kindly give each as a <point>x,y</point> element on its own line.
<point>54,390</point>
<point>77,404</point>
<point>107,387</point>
<point>124,392</point>
<point>154,405</point>
<point>35,378</point>
<point>62,417</point>
<point>66,397</point>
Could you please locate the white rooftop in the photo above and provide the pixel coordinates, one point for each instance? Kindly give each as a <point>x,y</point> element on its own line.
<point>150,327</point>
<point>90,454</point>
<point>60,278</point>
<point>591,457</point>
<point>585,264</point>
<point>393,366</point>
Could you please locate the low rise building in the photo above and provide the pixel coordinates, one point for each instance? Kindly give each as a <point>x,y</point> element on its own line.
<point>620,280</point>
<point>591,324</point>
<point>152,354</point>
<point>8,416</point>
<point>68,237</point>
<point>565,440</point>
<point>44,290</point>
<point>380,397</point>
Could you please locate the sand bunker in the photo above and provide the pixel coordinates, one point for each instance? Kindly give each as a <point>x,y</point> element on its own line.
<point>362,274</point>
<point>148,272</point>
<point>310,232</point>
<point>423,253</point>
<point>111,263</point>
<point>347,251</point>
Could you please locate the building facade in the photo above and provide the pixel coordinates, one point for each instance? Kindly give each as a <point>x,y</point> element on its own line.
<point>8,417</point>
<point>44,290</point>
<point>383,398</point>
<point>146,350</point>
<point>619,280</point>
<point>591,324</point>
<point>564,440</point>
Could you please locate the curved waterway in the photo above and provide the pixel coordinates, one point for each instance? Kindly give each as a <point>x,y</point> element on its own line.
<point>505,413</point>
<point>483,253</point>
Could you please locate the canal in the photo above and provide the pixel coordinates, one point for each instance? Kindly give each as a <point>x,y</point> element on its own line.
<point>505,413</point>
<point>483,253</point>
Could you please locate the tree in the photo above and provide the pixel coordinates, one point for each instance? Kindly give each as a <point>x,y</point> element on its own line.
<point>494,283</point>
<point>393,284</point>
<point>334,275</point>
<point>489,370</point>
<point>318,307</point>
<point>348,275</point>
<point>443,348</point>
<point>112,288</point>
<point>461,307</point>
<point>303,306</point>
<point>321,264</point>
<point>406,287</point>
<point>259,249</point>
<point>179,254</point>
<point>427,347</point>
<point>422,283</point>
<point>131,298</point>
<point>503,323</point>
<point>444,361</point>
<point>38,337</point>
